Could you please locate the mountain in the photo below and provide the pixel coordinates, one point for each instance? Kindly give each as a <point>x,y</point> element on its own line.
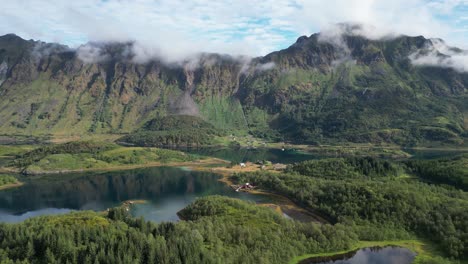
<point>345,88</point>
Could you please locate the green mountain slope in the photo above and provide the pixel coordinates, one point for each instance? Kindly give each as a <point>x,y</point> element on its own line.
<point>354,90</point>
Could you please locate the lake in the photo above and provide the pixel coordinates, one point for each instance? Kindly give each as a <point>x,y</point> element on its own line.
<point>289,155</point>
<point>374,255</point>
<point>166,189</point>
<point>237,155</point>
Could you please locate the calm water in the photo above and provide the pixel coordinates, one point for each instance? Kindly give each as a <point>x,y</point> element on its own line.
<point>253,155</point>
<point>167,191</point>
<point>291,155</point>
<point>386,255</point>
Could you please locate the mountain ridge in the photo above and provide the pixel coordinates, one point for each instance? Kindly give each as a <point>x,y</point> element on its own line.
<point>349,89</point>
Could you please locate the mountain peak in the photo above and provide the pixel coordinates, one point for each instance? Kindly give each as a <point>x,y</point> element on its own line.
<point>11,38</point>
<point>9,35</point>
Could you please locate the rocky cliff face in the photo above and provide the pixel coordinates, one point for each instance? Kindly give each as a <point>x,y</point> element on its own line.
<point>59,92</point>
<point>348,89</point>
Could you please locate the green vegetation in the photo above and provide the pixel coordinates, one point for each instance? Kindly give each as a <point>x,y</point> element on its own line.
<point>366,199</point>
<point>178,122</point>
<point>379,206</point>
<point>379,100</point>
<point>6,150</point>
<point>224,112</point>
<point>168,138</point>
<point>78,147</point>
<point>92,155</point>
<point>7,179</point>
<point>347,168</point>
<point>425,254</point>
<point>225,231</point>
<point>217,230</point>
<point>452,171</point>
<point>306,97</point>
<point>180,130</point>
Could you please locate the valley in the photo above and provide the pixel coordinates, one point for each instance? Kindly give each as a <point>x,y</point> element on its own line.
<point>342,149</point>
<point>171,180</point>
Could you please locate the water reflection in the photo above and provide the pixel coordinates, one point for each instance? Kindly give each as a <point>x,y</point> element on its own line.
<point>6,216</point>
<point>167,190</point>
<point>243,154</point>
<point>376,255</point>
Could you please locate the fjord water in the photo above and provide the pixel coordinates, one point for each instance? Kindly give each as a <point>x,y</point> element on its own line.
<point>386,255</point>
<point>166,190</point>
<point>237,155</point>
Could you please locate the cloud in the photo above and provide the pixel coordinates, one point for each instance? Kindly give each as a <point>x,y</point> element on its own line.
<point>91,53</point>
<point>177,29</point>
<point>437,53</point>
<point>265,67</point>
<point>334,34</point>
<point>43,49</point>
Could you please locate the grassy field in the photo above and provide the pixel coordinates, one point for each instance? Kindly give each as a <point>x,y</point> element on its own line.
<point>88,155</point>
<point>119,157</point>
<point>12,150</point>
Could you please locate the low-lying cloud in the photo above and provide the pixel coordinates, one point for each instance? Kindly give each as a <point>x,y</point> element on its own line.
<point>95,52</point>
<point>176,29</point>
<point>438,54</point>
<point>90,53</point>
<point>265,66</point>
<point>43,49</point>
<point>334,34</point>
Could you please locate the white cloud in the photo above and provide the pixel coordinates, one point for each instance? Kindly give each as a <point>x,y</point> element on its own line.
<point>439,54</point>
<point>91,53</point>
<point>265,67</point>
<point>175,29</point>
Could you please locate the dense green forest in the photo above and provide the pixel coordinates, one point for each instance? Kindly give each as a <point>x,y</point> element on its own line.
<point>451,171</point>
<point>221,230</point>
<point>178,122</point>
<point>347,168</point>
<point>384,202</point>
<point>179,130</point>
<point>366,199</point>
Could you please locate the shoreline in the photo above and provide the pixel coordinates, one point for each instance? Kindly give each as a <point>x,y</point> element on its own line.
<point>280,203</point>
<point>208,161</point>
<point>11,185</point>
<point>416,246</point>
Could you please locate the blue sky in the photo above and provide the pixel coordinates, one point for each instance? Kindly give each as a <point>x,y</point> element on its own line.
<point>249,27</point>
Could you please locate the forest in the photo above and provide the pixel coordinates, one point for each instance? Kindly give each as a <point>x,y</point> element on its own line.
<point>385,205</point>
<point>220,230</point>
<point>347,168</point>
<point>365,199</point>
<point>451,171</point>
<point>174,130</point>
